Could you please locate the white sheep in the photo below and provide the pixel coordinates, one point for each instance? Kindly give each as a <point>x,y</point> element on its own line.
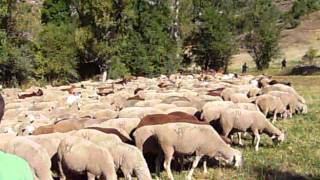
<point>245,120</point>
<point>271,104</point>
<point>211,111</point>
<point>175,137</point>
<point>79,155</point>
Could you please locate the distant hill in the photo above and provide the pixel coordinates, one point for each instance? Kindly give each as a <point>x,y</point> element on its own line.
<point>294,43</point>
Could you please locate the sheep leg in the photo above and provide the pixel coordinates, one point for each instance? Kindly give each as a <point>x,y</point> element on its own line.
<point>194,165</point>
<point>266,112</point>
<point>205,169</point>
<point>240,140</point>
<point>274,116</point>
<point>225,133</point>
<point>257,139</point>
<point>168,152</point>
<point>126,174</point>
<point>62,175</point>
<point>291,110</point>
<point>91,176</point>
<point>158,162</point>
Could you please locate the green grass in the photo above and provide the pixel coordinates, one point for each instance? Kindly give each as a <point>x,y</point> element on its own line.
<point>297,158</point>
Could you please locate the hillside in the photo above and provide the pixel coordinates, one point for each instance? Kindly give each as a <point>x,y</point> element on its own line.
<point>294,42</point>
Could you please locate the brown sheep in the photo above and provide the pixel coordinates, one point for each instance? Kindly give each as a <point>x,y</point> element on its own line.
<point>60,127</point>
<point>136,97</point>
<point>26,95</point>
<point>168,118</point>
<point>112,131</point>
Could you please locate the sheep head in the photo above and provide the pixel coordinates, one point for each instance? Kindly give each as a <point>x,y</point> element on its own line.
<point>277,139</point>
<point>236,160</point>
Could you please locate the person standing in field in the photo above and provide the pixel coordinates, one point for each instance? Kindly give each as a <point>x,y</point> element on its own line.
<point>244,68</point>
<point>2,105</point>
<point>283,63</point>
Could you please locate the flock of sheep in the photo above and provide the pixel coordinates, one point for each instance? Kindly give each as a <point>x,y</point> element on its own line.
<point>127,127</point>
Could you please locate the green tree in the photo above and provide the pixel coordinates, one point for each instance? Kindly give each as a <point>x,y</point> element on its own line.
<point>57,55</point>
<point>16,55</point>
<point>311,55</point>
<point>144,42</point>
<point>55,11</point>
<point>214,42</point>
<point>262,39</point>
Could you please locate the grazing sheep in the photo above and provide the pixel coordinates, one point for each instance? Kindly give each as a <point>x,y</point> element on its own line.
<point>173,117</point>
<point>78,155</point>
<point>128,158</point>
<point>138,112</point>
<point>34,153</point>
<point>188,110</point>
<point>252,121</point>
<point>284,88</point>
<point>74,99</point>
<point>246,106</point>
<point>175,138</point>
<point>183,104</point>
<point>30,94</point>
<point>148,103</point>
<point>301,108</point>
<point>271,104</point>
<point>60,127</point>
<point>127,124</point>
<point>226,93</point>
<point>105,114</point>
<point>171,99</point>
<point>253,92</point>
<point>210,98</point>
<point>152,146</point>
<point>211,111</point>
<point>123,136</point>
<point>239,98</point>
<point>49,141</point>
<point>164,107</point>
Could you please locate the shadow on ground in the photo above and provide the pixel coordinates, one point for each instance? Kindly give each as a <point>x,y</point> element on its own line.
<point>273,174</point>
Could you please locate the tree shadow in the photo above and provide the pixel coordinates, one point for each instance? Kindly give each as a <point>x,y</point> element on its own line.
<point>273,174</point>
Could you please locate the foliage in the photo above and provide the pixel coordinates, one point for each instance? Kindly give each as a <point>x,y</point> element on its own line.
<point>14,66</point>
<point>64,41</point>
<point>55,11</point>
<point>57,56</point>
<point>214,42</point>
<point>303,7</point>
<point>262,39</point>
<point>311,55</point>
<point>299,9</point>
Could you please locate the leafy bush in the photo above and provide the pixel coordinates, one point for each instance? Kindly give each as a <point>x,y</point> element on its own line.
<point>311,55</point>
<point>57,55</point>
